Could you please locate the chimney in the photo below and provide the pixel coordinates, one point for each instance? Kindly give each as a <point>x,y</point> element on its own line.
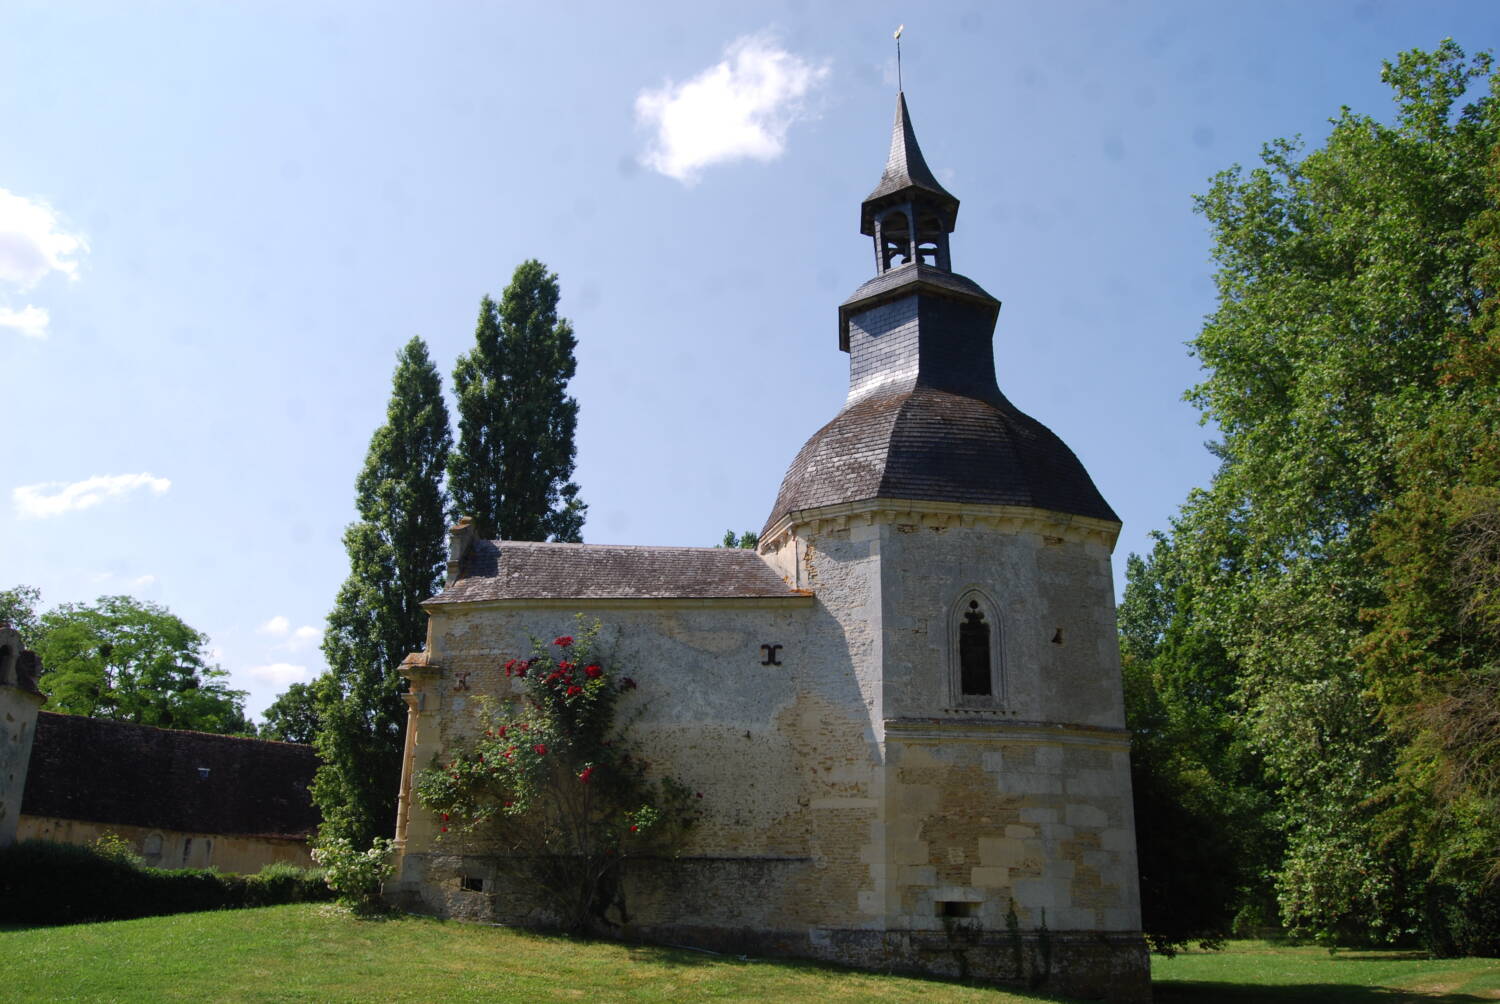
<point>460,539</point>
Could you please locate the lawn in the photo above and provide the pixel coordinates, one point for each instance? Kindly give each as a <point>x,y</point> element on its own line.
<point>311,952</point>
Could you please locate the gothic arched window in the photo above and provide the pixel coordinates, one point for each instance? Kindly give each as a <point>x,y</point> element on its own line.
<point>975,653</point>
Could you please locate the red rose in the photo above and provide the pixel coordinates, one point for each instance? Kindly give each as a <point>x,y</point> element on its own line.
<point>592,672</point>
<point>445,817</point>
<point>500,734</point>
<point>633,828</point>
<point>541,749</point>
<point>445,829</point>
<point>588,773</point>
<point>564,641</point>
<point>574,690</point>
<point>509,804</point>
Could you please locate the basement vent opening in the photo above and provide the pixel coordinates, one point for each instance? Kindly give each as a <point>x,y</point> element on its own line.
<point>955,908</point>
<point>473,883</point>
<point>1057,638</point>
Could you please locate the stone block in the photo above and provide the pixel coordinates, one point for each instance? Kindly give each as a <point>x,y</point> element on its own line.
<point>989,878</point>
<point>912,852</point>
<point>1001,852</point>
<point>1080,814</point>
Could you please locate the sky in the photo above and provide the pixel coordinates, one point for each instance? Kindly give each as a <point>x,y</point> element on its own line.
<point>219,222</point>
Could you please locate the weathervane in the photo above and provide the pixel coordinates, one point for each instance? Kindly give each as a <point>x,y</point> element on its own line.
<point>897,36</point>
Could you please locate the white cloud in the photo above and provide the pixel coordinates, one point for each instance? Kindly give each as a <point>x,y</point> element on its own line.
<point>30,322</point>
<point>33,242</point>
<point>280,674</point>
<point>304,636</point>
<point>54,498</point>
<point>277,626</point>
<point>741,107</point>
<point>142,581</point>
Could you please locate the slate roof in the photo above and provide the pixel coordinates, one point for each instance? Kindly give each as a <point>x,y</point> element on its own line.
<point>906,172</point>
<point>925,444</point>
<point>134,775</point>
<point>510,569</point>
<point>904,280</point>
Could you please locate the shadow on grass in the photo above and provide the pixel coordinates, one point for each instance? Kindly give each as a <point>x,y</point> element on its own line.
<point>1173,991</point>
<point>670,956</point>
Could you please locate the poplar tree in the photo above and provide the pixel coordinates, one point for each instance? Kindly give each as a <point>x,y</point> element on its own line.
<point>396,555</point>
<point>512,470</point>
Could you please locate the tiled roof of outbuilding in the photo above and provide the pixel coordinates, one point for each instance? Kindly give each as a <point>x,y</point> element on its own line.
<point>929,445</point>
<point>135,775</point>
<point>504,570</point>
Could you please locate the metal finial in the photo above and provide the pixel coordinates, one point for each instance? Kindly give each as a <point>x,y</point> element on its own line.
<point>897,37</point>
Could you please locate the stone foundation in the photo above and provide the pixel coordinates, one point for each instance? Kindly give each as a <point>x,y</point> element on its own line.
<point>661,895</point>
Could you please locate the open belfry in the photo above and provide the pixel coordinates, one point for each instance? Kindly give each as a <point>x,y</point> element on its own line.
<point>903,708</point>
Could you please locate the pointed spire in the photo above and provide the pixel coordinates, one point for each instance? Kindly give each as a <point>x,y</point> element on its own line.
<point>909,214</point>
<point>906,167</point>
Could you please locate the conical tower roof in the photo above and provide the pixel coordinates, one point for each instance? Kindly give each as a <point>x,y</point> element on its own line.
<point>906,175</point>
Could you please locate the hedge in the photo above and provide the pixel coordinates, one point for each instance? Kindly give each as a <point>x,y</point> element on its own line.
<point>42,882</point>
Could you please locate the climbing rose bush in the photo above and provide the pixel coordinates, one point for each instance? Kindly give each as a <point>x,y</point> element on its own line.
<point>553,780</point>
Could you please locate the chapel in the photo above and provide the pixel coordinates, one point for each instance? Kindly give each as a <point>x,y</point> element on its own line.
<point>904,705</point>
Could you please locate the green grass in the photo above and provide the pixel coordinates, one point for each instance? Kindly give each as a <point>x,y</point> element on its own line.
<point>1261,971</point>
<point>312,952</point>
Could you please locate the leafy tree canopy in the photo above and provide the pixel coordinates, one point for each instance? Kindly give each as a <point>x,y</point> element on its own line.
<point>293,717</point>
<point>131,661</point>
<point>748,539</point>
<point>1349,278</point>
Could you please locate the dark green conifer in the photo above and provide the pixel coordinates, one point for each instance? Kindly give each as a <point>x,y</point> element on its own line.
<point>396,556</point>
<point>511,471</point>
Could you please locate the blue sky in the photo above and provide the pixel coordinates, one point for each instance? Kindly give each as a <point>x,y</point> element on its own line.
<point>218,223</point>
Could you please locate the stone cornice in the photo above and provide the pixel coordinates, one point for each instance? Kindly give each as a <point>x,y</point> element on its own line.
<point>1006,518</point>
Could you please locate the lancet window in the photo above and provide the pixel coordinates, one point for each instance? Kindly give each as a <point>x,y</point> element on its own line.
<point>975,663</point>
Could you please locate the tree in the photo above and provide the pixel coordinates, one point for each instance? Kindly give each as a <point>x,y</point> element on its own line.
<point>131,661</point>
<point>396,560</point>
<point>748,539</point>
<point>511,471</point>
<point>1203,809</point>
<point>293,717</point>
<point>1432,655</point>
<point>1342,275</point>
<point>18,609</point>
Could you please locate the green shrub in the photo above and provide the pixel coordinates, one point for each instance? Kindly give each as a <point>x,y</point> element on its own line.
<point>285,883</point>
<point>42,882</point>
<point>353,875</point>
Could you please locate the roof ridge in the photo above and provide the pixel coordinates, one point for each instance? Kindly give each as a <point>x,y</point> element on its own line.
<point>619,547</point>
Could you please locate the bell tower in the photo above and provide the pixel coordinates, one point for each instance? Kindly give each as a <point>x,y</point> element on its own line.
<point>964,554</point>
<point>909,214</point>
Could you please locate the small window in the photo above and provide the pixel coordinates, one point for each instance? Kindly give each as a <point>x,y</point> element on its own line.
<point>151,849</point>
<point>974,653</point>
<point>976,638</point>
<point>473,883</point>
<point>955,908</point>
<point>187,850</point>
